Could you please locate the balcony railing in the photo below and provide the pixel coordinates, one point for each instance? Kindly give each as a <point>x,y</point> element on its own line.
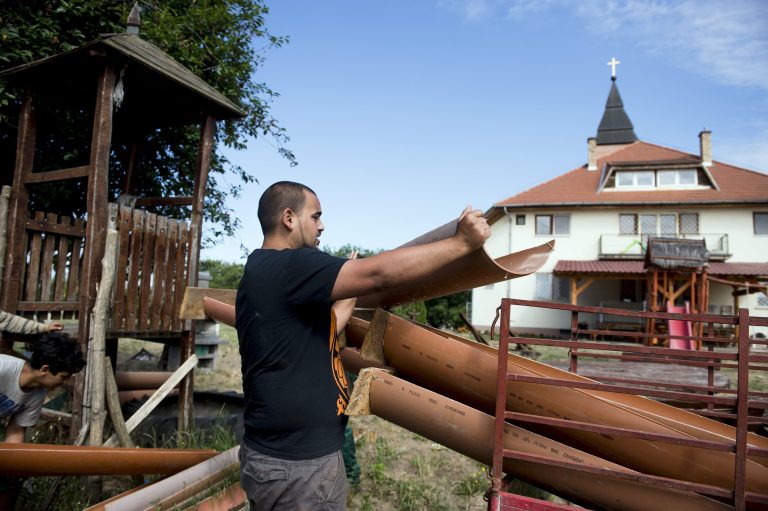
<point>633,246</point>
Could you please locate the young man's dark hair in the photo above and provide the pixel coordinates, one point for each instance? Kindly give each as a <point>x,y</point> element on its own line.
<point>278,197</point>
<point>59,351</point>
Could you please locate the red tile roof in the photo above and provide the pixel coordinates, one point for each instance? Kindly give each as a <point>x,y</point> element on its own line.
<point>638,267</point>
<point>580,186</point>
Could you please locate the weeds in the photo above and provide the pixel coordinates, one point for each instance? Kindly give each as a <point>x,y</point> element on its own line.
<point>475,484</point>
<point>417,495</point>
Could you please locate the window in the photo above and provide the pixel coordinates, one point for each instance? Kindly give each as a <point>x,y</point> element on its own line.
<point>553,224</point>
<point>686,177</point>
<point>519,219</point>
<point>624,178</point>
<point>761,223</point>
<point>648,224</point>
<point>689,223</point>
<point>628,224</point>
<point>664,224</point>
<point>668,225</point>
<point>762,300</point>
<point>552,288</point>
<point>637,178</point>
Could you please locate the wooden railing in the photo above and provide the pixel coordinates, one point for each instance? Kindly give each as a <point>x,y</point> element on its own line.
<point>152,266</point>
<point>53,255</point>
<point>152,270</point>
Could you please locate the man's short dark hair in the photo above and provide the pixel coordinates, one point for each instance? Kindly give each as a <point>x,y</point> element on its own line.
<point>278,197</point>
<point>59,351</point>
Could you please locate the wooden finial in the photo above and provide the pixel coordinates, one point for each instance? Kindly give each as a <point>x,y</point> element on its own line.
<point>134,20</point>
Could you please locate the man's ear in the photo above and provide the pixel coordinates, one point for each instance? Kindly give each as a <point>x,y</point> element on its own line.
<point>44,369</point>
<point>288,219</point>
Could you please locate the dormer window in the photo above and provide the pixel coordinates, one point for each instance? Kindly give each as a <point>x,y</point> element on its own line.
<point>634,178</point>
<point>684,177</point>
<point>656,175</point>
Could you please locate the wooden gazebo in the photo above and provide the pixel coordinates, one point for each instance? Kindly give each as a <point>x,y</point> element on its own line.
<point>53,263</point>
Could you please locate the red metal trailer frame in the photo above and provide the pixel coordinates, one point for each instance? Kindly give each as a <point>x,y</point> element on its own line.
<point>742,400</point>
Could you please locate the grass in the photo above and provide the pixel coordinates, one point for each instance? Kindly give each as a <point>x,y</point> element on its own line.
<point>404,471</point>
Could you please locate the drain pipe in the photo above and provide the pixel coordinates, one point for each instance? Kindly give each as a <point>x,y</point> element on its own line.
<point>509,251</point>
<point>61,460</point>
<point>177,488</point>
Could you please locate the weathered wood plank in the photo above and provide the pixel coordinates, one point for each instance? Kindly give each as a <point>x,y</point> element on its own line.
<point>182,257</point>
<point>57,175</point>
<point>55,227</point>
<point>124,216</point>
<point>62,255</point>
<point>163,201</point>
<point>46,270</point>
<point>171,248</point>
<point>147,253</point>
<point>18,208</point>
<point>75,265</point>
<point>158,276</point>
<point>36,306</point>
<point>134,269</point>
<point>33,267</point>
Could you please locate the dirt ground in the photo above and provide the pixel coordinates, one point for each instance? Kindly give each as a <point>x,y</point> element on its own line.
<point>399,469</point>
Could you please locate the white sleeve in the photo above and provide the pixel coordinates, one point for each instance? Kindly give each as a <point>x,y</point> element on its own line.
<point>32,408</point>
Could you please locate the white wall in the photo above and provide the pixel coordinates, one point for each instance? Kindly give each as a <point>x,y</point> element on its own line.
<point>587,224</point>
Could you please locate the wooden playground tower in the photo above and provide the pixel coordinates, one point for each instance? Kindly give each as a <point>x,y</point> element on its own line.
<point>676,269</point>
<point>122,85</point>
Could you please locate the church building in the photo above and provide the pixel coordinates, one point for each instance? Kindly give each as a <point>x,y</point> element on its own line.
<point>607,213</point>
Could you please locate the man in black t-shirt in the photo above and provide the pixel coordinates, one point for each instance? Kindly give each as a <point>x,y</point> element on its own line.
<point>292,302</point>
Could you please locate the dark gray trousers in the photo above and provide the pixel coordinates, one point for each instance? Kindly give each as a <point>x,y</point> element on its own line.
<point>274,484</point>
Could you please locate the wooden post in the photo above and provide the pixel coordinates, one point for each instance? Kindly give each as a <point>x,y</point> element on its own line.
<point>113,404</point>
<point>5,198</point>
<point>116,413</point>
<point>17,218</point>
<point>98,343</point>
<point>96,207</point>
<point>97,346</point>
<point>207,131</point>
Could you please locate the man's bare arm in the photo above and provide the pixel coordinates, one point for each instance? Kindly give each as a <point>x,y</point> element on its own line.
<point>395,267</point>
<point>14,434</point>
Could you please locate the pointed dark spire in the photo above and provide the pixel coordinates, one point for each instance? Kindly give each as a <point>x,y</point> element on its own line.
<point>615,126</point>
<point>134,20</point>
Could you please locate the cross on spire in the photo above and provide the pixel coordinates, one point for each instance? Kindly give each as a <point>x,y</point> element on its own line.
<point>613,63</point>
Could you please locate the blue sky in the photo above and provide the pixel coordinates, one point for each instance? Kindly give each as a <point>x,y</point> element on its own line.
<point>402,112</point>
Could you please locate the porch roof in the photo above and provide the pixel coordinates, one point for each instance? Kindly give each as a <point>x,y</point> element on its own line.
<point>721,269</point>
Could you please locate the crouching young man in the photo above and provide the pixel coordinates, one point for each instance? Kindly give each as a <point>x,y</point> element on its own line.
<point>23,385</point>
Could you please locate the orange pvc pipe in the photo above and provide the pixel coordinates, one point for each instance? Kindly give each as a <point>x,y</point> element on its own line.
<point>353,361</point>
<point>177,488</point>
<point>466,371</point>
<point>133,380</point>
<point>219,311</point>
<point>65,460</point>
<point>470,432</point>
<point>129,395</point>
<point>476,269</point>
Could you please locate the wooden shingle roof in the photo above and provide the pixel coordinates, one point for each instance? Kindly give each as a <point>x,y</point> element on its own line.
<point>156,86</point>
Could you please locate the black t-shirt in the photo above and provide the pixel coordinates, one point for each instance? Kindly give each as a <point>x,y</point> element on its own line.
<point>293,379</point>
